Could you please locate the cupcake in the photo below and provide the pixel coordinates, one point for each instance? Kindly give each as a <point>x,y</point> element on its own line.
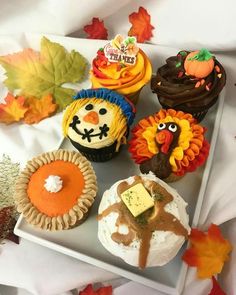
<point>190,82</point>
<point>169,143</point>
<point>121,66</point>
<point>97,123</point>
<point>143,221</point>
<point>56,190</point>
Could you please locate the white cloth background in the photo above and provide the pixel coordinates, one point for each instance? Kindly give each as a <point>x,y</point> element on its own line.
<point>186,24</point>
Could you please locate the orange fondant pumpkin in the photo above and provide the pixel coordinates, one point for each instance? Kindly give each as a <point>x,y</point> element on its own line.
<point>199,63</point>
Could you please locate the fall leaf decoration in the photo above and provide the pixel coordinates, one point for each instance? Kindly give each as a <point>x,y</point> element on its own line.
<point>37,74</point>
<point>216,289</point>
<point>39,109</point>
<point>101,291</point>
<point>7,224</point>
<point>96,30</point>
<point>13,110</point>
<point>208,251</point>
<point>141,26</point>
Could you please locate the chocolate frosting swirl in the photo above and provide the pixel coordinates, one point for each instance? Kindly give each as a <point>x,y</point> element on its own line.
<point>177,90</point>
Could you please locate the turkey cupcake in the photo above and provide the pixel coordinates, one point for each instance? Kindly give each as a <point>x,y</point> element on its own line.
<point>97,123</point>
<point>143,221</point>
<point>121,66</point>
<point>190,82</point>
<point>169,143</point>
<point>56,190</point>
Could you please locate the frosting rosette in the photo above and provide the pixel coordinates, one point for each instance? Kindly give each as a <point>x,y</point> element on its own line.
<point>122,67</point>
<point>189,81</point>
<point>169,143</point>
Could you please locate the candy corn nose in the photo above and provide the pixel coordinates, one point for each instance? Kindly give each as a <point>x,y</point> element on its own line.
<point>92,117</point>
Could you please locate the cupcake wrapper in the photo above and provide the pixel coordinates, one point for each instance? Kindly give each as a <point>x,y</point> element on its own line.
<point>134,97</point>
<point>96,155</point>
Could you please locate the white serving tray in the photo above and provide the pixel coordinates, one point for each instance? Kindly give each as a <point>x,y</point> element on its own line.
<point>82,242</point>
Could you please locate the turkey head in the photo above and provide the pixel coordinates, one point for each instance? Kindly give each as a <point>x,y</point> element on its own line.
<point>166,139</point>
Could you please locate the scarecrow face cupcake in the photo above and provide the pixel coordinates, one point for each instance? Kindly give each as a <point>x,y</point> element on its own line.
<point>169,143</point>
<point>121,66</point>
<point>190,81</point>
<point>97,123</point>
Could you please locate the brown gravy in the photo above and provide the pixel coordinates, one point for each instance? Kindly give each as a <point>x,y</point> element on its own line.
<point>142,227</point>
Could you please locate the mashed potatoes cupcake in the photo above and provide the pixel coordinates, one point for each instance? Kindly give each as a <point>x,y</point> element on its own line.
<point>121,66</point>
<point>143,221</point>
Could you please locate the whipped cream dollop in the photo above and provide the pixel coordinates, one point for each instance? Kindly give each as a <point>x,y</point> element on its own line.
<point>53,183</point>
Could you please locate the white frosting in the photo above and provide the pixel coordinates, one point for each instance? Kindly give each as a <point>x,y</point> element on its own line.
<point>164,245</point>
<point>53,183</point>
<point>106,118</point>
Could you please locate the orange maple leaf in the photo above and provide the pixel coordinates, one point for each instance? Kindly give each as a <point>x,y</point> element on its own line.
<point>13,110</point>
<point>208,251</point>
<point>39,109</point>
<point>141,26</point>
<point>96,30</point>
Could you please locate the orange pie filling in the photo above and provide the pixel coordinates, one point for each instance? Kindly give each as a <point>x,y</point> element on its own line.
<point>59,203</point>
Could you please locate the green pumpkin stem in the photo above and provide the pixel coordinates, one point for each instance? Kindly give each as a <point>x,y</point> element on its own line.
<point>202,55</point>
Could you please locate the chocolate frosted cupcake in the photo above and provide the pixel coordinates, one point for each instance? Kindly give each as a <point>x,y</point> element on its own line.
<point>97,123</point>
<point>190,82</point>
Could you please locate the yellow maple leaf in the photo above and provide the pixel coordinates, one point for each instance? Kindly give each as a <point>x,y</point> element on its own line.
<point>39,109</point>
<point>208,251</point>
<point>13,110</point>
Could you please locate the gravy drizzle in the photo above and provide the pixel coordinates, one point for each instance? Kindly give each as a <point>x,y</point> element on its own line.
<point>157,219</point>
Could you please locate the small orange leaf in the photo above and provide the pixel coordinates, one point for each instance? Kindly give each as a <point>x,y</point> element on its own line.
<point>96,30</point>
<point>216,289</point>
<point>39,109</point>
<point>208,251</point>
<point>14,109</point>
<point>141,26</point>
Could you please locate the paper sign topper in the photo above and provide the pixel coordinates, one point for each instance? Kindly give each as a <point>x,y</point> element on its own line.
<point>122,50</point>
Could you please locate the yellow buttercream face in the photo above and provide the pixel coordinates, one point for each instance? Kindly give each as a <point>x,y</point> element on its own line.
<point>94,123</point>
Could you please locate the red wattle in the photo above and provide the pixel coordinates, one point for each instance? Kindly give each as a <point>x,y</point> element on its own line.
<point>165,138</point>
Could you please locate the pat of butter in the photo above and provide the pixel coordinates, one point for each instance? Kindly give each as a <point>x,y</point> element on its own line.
<point>137,199</point>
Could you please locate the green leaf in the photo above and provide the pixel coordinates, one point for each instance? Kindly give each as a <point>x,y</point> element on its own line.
<point>38,74</point>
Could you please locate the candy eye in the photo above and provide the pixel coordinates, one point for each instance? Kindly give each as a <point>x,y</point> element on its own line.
<point>89,107</point>
<point>172,128</point>
<point>161,126</point>
<point>102,111</point>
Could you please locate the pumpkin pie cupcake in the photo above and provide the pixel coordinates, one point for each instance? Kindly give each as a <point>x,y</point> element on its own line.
<point>190,82</point>
<point>56,190</point>
<point>169,143</point>
<point>121,66</point>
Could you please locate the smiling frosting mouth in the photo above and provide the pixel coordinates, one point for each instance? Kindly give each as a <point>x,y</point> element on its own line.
<point>88,134</point>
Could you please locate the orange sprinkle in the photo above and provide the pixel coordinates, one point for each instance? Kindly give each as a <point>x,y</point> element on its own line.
<point>202,81</point>
<point>217,69</point>
<point>197,84</point>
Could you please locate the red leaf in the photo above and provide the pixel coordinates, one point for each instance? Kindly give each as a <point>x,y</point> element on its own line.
<point>216,289</point>
<point>141,26</point>
<point>101,291</point>
<point>96,30</point>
